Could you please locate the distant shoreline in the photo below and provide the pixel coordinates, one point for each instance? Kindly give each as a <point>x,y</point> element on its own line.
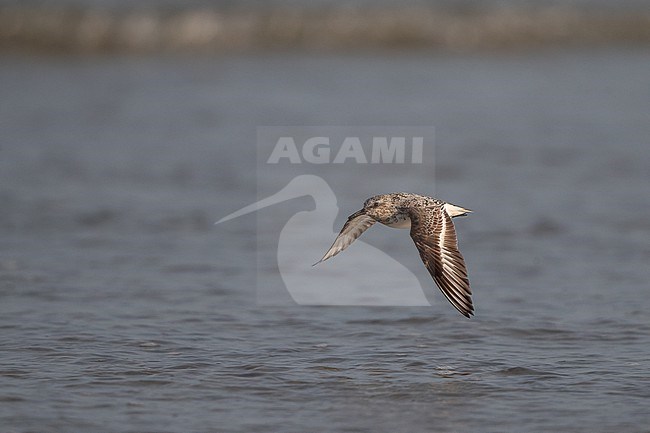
<point>92,31</point>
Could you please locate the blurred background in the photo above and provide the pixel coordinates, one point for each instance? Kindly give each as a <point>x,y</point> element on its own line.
<point>128,127</point>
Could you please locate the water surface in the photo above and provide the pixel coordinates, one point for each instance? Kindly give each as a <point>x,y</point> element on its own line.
<point>124,309</point>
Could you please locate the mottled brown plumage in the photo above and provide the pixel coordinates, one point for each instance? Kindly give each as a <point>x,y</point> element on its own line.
<point>432,231</point>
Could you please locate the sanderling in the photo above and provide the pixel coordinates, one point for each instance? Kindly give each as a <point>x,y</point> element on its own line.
<point>432,230</point>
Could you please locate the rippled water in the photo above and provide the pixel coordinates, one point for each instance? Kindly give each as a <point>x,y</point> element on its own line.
<point>123,308</point>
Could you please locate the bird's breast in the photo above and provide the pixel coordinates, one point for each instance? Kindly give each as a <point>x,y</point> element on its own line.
<point>398,222</point>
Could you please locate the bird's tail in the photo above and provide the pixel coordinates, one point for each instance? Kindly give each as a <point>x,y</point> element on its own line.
<point>455,211</point>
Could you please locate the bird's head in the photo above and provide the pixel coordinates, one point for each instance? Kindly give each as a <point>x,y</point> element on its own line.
<point>380,206</point>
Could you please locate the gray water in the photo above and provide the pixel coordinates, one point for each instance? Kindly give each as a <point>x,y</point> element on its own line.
<point>123,308</point>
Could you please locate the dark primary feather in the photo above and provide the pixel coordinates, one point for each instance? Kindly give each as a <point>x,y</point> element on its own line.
<point>434,235</point>
<point>356,224</point>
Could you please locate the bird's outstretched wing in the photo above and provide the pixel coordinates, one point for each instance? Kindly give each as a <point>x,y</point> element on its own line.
<point>356,224</point>
<point>435,238</point>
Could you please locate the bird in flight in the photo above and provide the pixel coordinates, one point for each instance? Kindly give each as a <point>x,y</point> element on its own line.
<point>432,231</point>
